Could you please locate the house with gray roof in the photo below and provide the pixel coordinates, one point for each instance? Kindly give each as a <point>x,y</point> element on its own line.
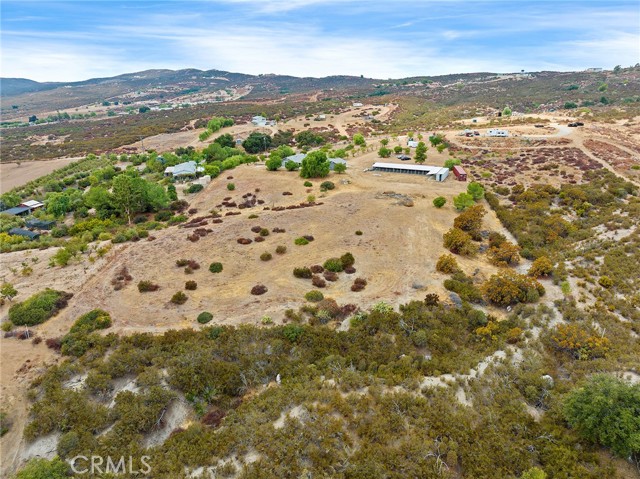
<point>189,169</point>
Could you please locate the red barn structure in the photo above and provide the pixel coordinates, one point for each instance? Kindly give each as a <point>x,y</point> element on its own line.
<point>461,175</point>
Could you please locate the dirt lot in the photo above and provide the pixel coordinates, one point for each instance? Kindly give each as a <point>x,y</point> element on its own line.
<point>14,174</point>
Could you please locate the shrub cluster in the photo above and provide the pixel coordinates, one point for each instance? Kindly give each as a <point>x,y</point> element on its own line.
<point>190,285</point>
<point>303,272</point>
<point>447,264</point>
<point>179,298</point>
<point>146,286</point>
<point>314,296</point>
<point>39,307</point>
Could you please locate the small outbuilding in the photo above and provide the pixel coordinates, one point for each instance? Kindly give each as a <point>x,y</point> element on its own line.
<point>31,235</point>
<point>335,161</point>
<point>38,224</point>
<point>17,211</point>
<point>33,204</point>
<point>459,173</point>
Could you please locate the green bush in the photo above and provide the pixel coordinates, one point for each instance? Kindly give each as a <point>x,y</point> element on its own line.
<point>281,249</point>
<point>190,285</point>
<point>91,321</point>
<point>43,469</point>
<point>333,264</point>
<point>439,202</point>
<point>308,184</point>
<point>205,317</point>
<point>231,186</point>
<point>179,298</point>
<point>195,188</point>
<point>146,286</point>
<point>301,241</point>
<point>314,296</point>
<point>303,272</point>
<point>39,307</point>
<point>266,256</point>
<point>327,185</point>
<point>215,267</point>
<point>347,260</point>
<point>358,233</point>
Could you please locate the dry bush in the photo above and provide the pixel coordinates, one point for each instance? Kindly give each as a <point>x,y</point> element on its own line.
<point>350,270</point>
<point>179,298</point>
<point>317,269</point>
<point>190,285</point>
<point>266,256</point>
<point>318,282</point>
<point>256,229</point>
<point>214,417</point>
<point>259,289</point>
<point>258,239</point>
<point>281,249</point>
<point>359,284</point>
<point>330,276</point>
<point>54,343</point>
<point>244,241</point>
<point>147,286</point>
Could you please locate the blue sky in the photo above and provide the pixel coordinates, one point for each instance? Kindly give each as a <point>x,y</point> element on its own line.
<point>76,40</point>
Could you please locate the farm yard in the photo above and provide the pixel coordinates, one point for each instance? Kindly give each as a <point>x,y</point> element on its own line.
<point>235,295</point>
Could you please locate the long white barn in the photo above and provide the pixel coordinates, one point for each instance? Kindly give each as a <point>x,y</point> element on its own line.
<point>439,173</point>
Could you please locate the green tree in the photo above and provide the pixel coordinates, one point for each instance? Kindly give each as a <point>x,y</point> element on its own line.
<point>421,152</point>
<point>274,163</point>
<point>606,411</point>
<point>463,201</point>
<point>129,195</point>
<point>506,111</point>
<point>451,162</point>
<point>384,142</point>
<point>7,291</point>
<point>476,190</point>
<point>256,142</point>
<point>340,168</point>
<point>358,140</point>
<point>384,152</point>
<point>42,469</point>
<point>225,140</point>
<point>58,204</point>
<point>315,165</point>
<point>10,200</point>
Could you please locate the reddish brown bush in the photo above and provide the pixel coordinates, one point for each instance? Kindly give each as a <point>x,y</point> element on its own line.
<point>214,417</point>
<point>193,238</point>
<point>259,289</point>
<point>256,229</point>
<point>54,343</point>
<point>359,284</point>
<point>317,269</point>
<point>278,230</point>
<point>308,237</point>
<point>244,241</point>
<point>287,193</point>
<point>258,239</point>
<point>330,276</point>
<point>36,340</point>
<point>318,282</point>
<point>350,270</point>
